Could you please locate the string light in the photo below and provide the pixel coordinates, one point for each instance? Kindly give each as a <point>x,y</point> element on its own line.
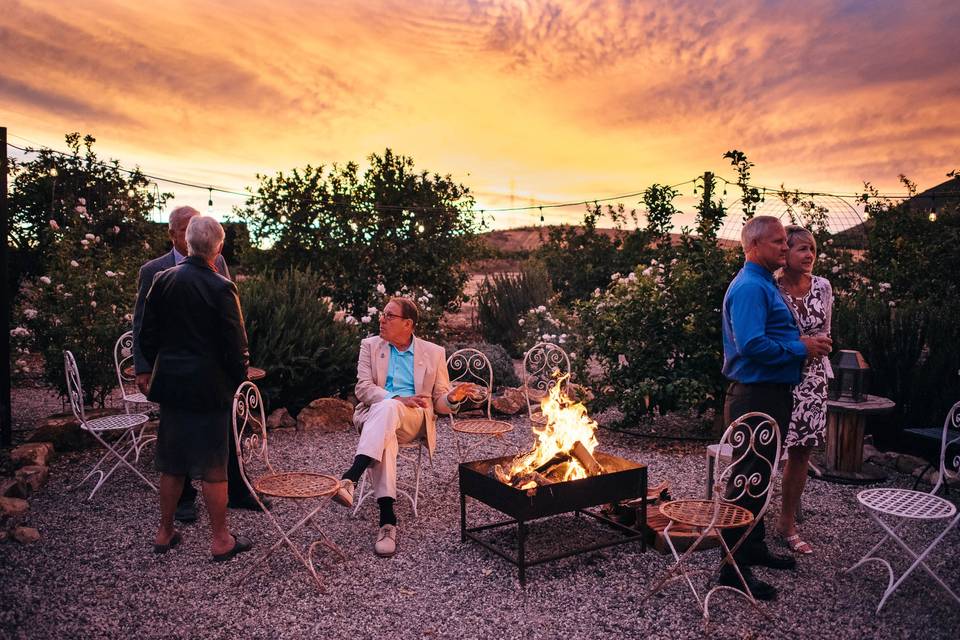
<point>210,197</point>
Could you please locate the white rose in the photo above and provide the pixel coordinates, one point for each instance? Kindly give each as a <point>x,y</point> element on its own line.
<point>365,319</point>
<point>622,360</point>
<point>372,311</point>
<point>350,319</point>
<point>30,314</point>
<point>54,225</point>
<point>93,303</point>
<point>835,269</point>
<point>74,263</point>
<point>82,201</point>
<point>520,321</point>
<point>381,289</point>
<point>45,279</point>
<point>19,331</point>
<point>116,230</point>
<point>545,337</point>
<point>109,274</point>
<point>89,236</point>
<point>541,309</point>
<point>84,242</point>
<point>128,317</point>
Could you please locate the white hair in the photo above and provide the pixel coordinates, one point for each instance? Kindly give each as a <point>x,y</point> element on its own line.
<point>204,237</point>
<point>180,215</point>
<point>755,229</point>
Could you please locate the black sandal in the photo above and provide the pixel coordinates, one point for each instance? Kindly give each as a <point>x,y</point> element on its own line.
<point>174,541</point>
<point>240,544</point>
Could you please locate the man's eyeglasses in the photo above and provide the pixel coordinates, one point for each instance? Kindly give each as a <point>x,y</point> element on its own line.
<point>391,316</point>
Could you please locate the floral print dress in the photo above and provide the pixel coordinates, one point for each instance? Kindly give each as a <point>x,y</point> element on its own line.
<point>808,424</point>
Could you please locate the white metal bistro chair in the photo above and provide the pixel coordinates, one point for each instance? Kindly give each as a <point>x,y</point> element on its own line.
<point>133,399</point>
<point>471,366</point>
<point>543,365</point>
<point>751,470</point>
<point>250,435</point>
<point>129,428</point>
<point>409,490</point>
<point>903,505</point>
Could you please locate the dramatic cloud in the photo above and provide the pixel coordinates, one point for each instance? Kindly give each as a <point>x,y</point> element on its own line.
<point>521,100</point>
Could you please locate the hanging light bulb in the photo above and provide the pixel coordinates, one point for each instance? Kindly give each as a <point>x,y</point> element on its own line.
<point>541,215</point>
<point>210,199</point>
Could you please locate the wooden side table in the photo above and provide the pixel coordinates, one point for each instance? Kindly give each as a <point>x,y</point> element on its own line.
<point>846,422</point>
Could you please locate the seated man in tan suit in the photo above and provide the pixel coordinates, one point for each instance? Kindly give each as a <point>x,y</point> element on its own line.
<point>402,384</point>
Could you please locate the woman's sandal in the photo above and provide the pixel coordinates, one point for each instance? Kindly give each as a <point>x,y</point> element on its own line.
<point>797,545</point>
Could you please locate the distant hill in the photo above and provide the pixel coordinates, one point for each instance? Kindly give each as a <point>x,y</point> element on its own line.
<point>527,239</point>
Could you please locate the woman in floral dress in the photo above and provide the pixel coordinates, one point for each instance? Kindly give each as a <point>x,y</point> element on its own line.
<point>811,299</point>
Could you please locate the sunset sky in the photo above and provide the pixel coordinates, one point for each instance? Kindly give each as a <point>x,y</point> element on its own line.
<point>524,102</point>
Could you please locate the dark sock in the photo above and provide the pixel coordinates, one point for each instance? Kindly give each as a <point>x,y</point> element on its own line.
<point>387,516</point>
<point>360,463</point>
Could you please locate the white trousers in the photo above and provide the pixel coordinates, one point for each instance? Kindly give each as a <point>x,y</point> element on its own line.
<point>389,423</point>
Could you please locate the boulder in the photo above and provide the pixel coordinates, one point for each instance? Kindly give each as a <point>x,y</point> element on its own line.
<point>63,431</point>
<point>280,418</point>
<point>907,463</point>
<point>26,535</point>
<point>13,507</point>
<point>11,488</point>
<point>510,402</point>
<point>326,415</point>
<point>32,477</point>
<point>32,453</point>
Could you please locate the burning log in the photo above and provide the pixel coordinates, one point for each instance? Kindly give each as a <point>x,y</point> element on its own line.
<point>586,458</point>
<point>560,458</point>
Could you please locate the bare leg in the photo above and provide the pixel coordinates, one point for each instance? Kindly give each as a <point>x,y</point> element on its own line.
<point>215,497</point>
<point>794,480</point>
<point>170,489</point>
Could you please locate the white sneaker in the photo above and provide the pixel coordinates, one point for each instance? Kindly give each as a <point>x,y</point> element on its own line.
<point>386,544</point>
<point>344,494</point>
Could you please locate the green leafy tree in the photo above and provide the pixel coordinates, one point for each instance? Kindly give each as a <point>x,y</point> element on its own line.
<point>391,224</point>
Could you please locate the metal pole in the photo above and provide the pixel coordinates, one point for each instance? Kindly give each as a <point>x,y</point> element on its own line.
<point>6,427</point>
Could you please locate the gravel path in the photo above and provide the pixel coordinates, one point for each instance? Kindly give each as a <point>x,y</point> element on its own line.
<point>93,573</point>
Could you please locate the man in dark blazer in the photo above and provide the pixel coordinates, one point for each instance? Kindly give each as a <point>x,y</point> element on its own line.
<point>180,217</point>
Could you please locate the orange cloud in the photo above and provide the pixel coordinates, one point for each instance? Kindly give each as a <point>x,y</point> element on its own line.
<point>550,101</point>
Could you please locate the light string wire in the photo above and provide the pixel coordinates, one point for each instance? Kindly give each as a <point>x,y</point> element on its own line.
<point>538,207</point>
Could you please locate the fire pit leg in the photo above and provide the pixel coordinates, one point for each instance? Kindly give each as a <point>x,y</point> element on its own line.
<point>463,517</point>
<point>521,557</point>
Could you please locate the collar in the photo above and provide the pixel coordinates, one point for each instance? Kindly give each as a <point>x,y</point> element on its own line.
<point>409,349</point>
<point>178,257</point>
<point>198,261</point>
<point>756,269</point>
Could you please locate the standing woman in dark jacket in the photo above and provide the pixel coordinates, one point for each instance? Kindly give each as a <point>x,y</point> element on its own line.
<point>193,334</point>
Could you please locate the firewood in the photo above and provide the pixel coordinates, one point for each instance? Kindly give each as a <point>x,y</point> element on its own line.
<point>586,458</point>
<point>563,456</point>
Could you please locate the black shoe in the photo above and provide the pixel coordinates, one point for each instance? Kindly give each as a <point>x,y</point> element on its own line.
<point>760,589</point>
<point>186,512</point>
<point>247,502</point>
<point>760,556</point>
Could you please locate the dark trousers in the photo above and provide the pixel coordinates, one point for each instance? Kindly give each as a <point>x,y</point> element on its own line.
<point>776,400</point>
<point>236,489</point>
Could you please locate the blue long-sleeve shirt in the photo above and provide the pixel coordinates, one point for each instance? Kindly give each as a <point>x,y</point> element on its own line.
<point>761,341</point>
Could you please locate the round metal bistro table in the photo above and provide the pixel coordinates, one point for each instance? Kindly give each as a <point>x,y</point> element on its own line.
<point>843,460</point>
<point>255,373</point>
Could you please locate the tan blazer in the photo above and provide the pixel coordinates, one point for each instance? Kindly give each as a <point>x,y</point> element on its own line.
<point>430,378</point>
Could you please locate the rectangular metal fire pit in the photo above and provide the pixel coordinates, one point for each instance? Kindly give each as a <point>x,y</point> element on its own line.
<point>621,480</point>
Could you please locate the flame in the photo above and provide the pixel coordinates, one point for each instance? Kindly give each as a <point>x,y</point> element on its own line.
<point>567,422</point>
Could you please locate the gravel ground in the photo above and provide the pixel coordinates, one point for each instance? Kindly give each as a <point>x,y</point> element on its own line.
<point>93,573</point>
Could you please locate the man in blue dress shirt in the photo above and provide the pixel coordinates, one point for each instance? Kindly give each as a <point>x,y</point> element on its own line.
<point>763,355</point>
<point>402,384</point>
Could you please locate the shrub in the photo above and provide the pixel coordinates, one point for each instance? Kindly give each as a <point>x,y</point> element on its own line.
<point>430,312</point>
<point>504,375</point>
<point>505,298</point>
<point>87,225</point>
<point>298,339</point>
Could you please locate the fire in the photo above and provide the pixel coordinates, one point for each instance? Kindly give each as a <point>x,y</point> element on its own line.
<point>567,423</point>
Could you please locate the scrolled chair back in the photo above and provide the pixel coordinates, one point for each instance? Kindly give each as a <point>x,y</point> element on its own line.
<point>471,365</point>
<point>543,364</point>
<point>122,358</point>
<point>250,430</point>
<point>752,434</point>
<point>74,387</point>
<point>950,448</point>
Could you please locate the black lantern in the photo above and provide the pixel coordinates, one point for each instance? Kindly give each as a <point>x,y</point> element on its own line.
<point>850,375</point>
